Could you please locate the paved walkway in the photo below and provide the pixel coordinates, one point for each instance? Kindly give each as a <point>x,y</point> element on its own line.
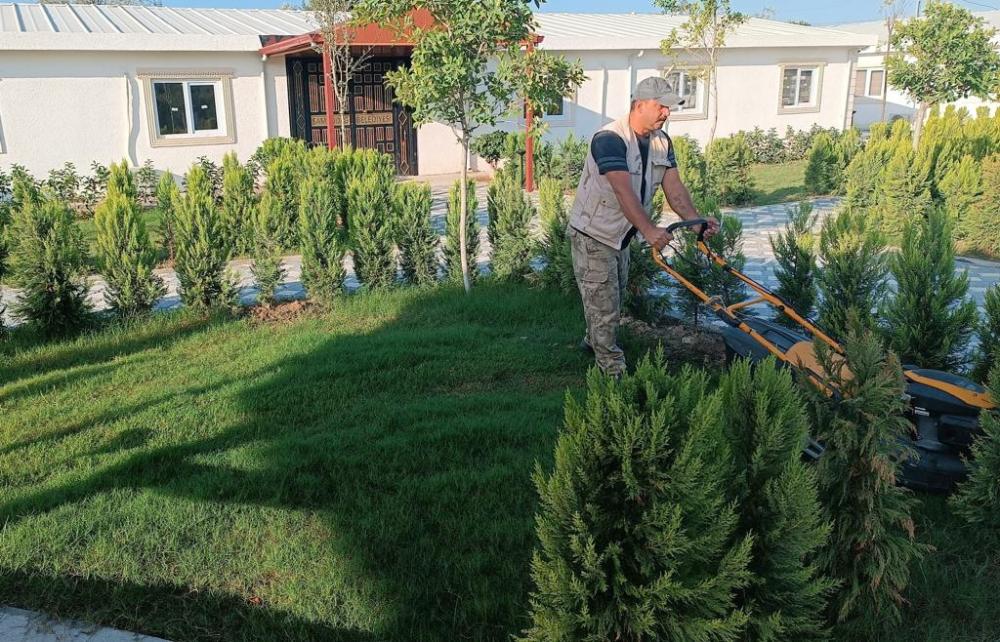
<point>18,625</point>
<point>758,224</point>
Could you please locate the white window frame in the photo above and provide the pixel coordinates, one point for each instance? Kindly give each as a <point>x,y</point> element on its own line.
<point>816,99</point>
<point>568,116</point>
<point>701,89</point>
<point>221,80</point>
<point>868,71</point>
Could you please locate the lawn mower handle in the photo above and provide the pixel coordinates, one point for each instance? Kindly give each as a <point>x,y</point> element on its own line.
<point>694,222</point>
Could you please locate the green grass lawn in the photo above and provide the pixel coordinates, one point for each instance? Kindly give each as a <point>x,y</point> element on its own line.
<point>359,475</point>
<point>779,183</point>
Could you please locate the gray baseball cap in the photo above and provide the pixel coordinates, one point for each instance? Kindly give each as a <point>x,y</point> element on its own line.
<point>656,88</point>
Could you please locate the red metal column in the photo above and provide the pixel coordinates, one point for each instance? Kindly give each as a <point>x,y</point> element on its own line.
<point>331,131</point>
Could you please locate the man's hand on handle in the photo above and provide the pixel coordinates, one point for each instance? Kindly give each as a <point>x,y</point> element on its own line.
<point>713,227</point>
<point>658,237</point>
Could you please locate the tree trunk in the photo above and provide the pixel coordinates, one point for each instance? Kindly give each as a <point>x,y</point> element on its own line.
<point>713,104</point>
<point>918,124</point>
<point>885,73</point>
<point>463,214</point>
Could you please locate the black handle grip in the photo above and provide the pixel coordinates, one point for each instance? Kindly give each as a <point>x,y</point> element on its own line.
<point>695,222</point>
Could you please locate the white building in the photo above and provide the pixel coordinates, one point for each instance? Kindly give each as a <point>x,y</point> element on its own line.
<point>870,83</point>
<point>83,82</point>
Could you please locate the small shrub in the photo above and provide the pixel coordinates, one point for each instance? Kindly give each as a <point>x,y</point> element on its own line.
<point>705,275</point>
<point>48,261</point>
<point>692,167</point>
<point>200,258</point>
<point>94,188</point>
<point>568,160</point>
<point>930,318</point>
<point>418,244</point>
<point>452,249</point>
<point>324,242</point>
<point>765,147</point>
<point>125,255</point>
<point>555,245</point>
<point>853,277</point>
<point>983,227</point>
<point>214,174</point>
<point>371,219</point>
<point>239,204</point>
<point>64,184</point>
<point>795,253</point>
<point>282,186</point>
<point>729,170</point>
<point>271,149</point>
<point>872,542</point>
<point>268,225</point>
<point>823,173</point>
<point>989,337</point>
<point>636,536</point>
<point>978,498</point>
<point>490,146</point>
<point>167,194</point>
<point>145,181</point>
<point>904,191</point>
<point>510,213</point>
<point>764,425</point>
<point>960,188</point>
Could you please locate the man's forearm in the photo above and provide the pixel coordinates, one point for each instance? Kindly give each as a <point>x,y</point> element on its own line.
<point>680,201</point>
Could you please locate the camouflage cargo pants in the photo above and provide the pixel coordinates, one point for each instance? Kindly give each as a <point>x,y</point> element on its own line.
<point>601,274</point>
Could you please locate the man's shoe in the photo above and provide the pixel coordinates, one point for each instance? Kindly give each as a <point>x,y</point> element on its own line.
<point>586,347</point>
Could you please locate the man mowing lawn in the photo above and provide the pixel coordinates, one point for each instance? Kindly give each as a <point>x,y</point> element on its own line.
<point>628,159</point>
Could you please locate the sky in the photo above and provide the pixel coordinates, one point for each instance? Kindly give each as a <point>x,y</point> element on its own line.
<point>817,12</point>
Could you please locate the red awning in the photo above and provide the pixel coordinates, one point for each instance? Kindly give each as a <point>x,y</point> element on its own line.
<point>370,35</point>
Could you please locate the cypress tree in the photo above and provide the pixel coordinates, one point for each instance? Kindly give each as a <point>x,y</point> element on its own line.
<point>452,249</point>
<point>283,176</point>
<point>989,336</point>
<point>268,223</point>
<point>510,214</point>
<point>847,148</point>
<point>765,427</point>
<point>978,497</point>
<point>930,318</point>
<point>200,253</point>
<point>904,191</point>
<point>854,271</point>
<point>239,204</point>
<point>418,244</point>
<point>125,255</point>
<point>729,174</point>
<point>167,193</point>
<point>324,242</point>
<point>983,228</point>
<point>872,541</point>
<point>707,276</point>
<point>692,167</point>
<point>863,177</point>
<point>372,219</point>
<point>636,536</point>
<point>555,244</point>
<point>960,188</point>
<point>795,252</point>
<point>823,171</point>
<point>48,260</point>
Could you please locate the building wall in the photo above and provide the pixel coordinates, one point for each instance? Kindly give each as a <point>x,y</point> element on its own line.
<point>91,106</point>
<point>749,91</point>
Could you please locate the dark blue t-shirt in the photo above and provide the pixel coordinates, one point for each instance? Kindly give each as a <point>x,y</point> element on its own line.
<point>610,150</point>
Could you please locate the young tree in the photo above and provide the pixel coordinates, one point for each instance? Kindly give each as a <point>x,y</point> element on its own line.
<point>729,176</point>
<point>510,214</point>
<point>467,67</point>
<point>167,193</point>
<point>48,261</point>
<point>960,188</point>
<point>339,33</point>
<point>795,252</point>
<point>930,318</point>
<point>823,171</point>
<point>418,243</point>
<point>706,275</point>
<point>555,245</point>
<point>125,255</point>
<point>978,498</point>
<point>944,55</point>
<point>323,240</point>
<point>701,37</point>
<point>854,271</point>
<point>892,13</point>
<point>764,424</point>
<point>872,542</point>
<point>239,204</point>
<point>200,254</point>
<point>459,265</point>
<point>265,250</point>
<point>371,219</point>
<point>637,539</point>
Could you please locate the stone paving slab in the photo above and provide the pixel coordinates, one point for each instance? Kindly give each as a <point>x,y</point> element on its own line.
<point>759,223</point>
<point>18,625</point>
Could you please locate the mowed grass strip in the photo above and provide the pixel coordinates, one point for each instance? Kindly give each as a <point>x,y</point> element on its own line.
<point>360,474</point>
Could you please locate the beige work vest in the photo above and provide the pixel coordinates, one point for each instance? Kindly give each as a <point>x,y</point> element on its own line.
<point>596,211</point>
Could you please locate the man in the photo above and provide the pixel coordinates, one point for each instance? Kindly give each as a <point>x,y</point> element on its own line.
<point>628,159</point>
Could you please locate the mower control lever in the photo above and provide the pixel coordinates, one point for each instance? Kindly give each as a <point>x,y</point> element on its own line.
<point>700,223</point>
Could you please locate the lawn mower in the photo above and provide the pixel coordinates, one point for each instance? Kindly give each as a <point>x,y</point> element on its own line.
<point>943,408</point>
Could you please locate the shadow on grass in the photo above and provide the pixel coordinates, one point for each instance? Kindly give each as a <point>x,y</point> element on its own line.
<point>180,613</point>
<point>413,441</point>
